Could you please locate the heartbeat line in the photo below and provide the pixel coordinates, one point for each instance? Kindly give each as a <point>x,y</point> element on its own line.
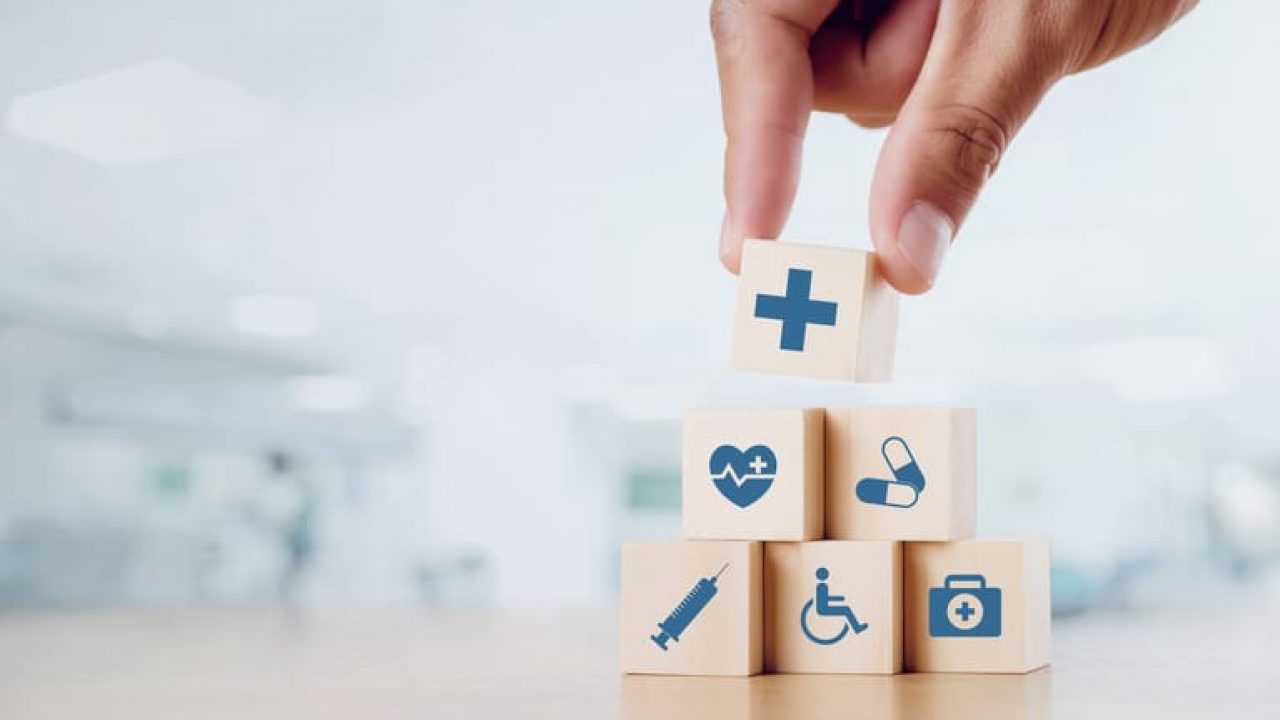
<point>728,472</point>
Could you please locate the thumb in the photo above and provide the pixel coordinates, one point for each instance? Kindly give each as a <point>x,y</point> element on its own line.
<point>980,80</point>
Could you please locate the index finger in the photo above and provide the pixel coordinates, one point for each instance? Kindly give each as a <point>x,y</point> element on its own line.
<point>766,91</point>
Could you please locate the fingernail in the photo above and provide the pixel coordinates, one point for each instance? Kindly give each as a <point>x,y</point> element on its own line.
<point>924,237</point>
<point>726,241</point>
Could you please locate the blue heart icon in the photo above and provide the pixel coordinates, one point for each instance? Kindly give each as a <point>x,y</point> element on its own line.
<point>743,476</point>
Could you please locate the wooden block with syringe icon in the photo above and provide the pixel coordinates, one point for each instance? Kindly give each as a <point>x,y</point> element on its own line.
<point>692,607</point>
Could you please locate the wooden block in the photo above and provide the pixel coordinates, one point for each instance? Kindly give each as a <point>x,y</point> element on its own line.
<point>814,311</point>
<point>872,482</point>
<point>680,618</point>
<point>753,474</point>
<point>977,605</point>
<point>867,575</point>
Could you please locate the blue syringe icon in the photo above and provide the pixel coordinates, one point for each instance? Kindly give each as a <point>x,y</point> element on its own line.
<point>687,610</point>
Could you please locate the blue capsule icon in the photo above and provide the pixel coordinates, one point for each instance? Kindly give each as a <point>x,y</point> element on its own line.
<point>903,491</point>
<point>902,462</point>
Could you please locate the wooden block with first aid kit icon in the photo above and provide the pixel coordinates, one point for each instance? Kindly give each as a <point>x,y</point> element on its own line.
<point>901,473</point>
<point>833,606</point>
<point>814,311</point>
<point>976,606</point>
<point>691,607</point>
<point>753,474</point>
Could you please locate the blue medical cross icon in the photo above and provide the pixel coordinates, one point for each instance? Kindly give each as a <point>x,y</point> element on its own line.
<point>965,611</point>
<point>796,309</point>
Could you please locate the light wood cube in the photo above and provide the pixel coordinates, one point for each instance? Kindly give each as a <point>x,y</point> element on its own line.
<point>814,311</point>
<point>901,473</point>
<point>691,607</point>
<point>753,474</point>
<point>866,576</point>
<point>977,606</point>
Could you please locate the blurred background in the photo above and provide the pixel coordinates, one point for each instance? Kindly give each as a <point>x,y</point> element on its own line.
<point>393,303</point>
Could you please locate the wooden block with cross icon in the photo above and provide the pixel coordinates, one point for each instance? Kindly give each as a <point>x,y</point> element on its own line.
<point>814,311</point>
<point>753,473</point>
<point>833,606</point>
<point>906,473</point>
<point>691,607</point>
<point>976,606</point>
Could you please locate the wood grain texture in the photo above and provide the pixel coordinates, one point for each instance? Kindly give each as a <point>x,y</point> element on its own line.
<point>563,664</point>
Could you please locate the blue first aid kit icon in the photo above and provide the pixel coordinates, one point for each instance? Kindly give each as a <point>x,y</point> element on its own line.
<point>964,607</point>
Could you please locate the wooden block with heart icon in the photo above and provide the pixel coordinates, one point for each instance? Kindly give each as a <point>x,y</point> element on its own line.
<point>753,474</point>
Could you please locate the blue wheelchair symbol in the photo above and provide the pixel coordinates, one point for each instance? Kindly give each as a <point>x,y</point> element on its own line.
<point>828,605</point>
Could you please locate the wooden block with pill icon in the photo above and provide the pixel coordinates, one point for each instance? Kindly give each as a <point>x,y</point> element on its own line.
<point>979,606</point>
<point>900,473</point>
<point>833,606</point>
<point>814,311</point>
<point>692,607</point>
<point>753,474</point>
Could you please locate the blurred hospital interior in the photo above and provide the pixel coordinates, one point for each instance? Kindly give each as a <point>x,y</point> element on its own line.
<point>398,304</point>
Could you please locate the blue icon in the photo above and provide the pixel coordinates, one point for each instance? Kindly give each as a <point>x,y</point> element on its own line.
<point>828,605</point>
<point>743,477</point>
<point>795,309</point>
<point>964,607</point>
<point>693,603</point>
<point>903,491</point>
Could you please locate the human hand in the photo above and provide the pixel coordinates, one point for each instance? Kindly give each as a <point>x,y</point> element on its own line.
<point>955,79</point>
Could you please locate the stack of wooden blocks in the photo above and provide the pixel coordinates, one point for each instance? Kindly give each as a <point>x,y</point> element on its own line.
<point>832,540</point>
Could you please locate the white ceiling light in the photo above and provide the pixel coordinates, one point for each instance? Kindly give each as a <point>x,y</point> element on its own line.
<point>278,316</point>
<point>149,111</point>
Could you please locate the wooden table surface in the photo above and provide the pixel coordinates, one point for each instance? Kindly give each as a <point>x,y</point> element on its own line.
<point>268,664</point>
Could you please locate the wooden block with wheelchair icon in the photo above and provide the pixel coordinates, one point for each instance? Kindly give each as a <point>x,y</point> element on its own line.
<point>833,606</point>
<point>976,606</point>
